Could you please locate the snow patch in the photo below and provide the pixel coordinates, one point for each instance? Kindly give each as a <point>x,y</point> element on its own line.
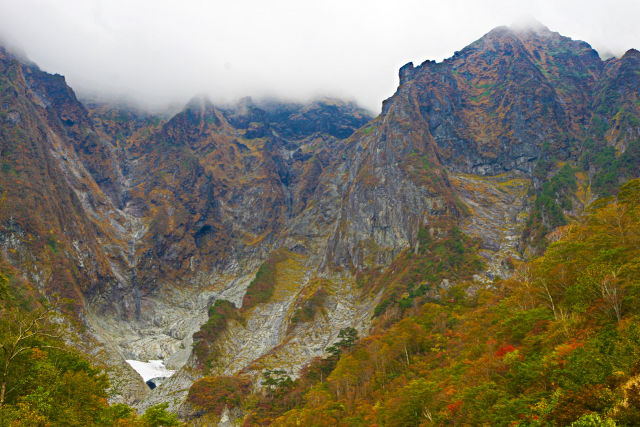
<point>151,369</point>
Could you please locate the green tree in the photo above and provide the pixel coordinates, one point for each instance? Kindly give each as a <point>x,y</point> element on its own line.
<point>593,420</point>
<point>21,332</point>
<point>347,337</point>
<point>158,416</point>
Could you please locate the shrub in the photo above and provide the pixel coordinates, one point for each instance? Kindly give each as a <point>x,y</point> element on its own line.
<point>261,287</point>
<point>219,314</point>
<point>213,394</point>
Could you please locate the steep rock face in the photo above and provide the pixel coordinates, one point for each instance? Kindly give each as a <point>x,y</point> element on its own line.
<point>58,227</point>
<point>293,122</point>
<point>616,101</point>
<point>391,183</point>
<point>301,139</point>
<point>492,106</point>
<point>50,196</point>
<point>496,217</point>
<point>70,118</point>
<point>504,104</point>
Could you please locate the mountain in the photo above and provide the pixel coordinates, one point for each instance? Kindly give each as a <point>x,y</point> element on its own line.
<point>244,241</point>
<point>143,221</point>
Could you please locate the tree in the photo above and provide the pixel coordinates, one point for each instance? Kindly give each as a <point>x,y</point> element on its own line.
<point>276,379</point>
<point>4,289</point>
<point>21,332</point>
<point>347,337</point>
<point>158,416</point>
<point>612,293</point>
<point>412,404</point>
<point>593,420</point>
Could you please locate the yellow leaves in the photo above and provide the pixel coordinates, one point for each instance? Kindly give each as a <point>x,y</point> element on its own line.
<point>560,233</point>
<point>29,416</point>
<point>37,354</point>
<point>253,239</point>
<point>512,357</point>
<point>320,410</point>
<point>318,396</point>
<point>630,193</point>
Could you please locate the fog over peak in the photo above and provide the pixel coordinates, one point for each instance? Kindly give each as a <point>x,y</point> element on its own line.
<point>160,52</point>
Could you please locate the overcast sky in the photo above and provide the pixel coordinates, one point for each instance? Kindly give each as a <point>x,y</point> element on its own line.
<point>162,51</point>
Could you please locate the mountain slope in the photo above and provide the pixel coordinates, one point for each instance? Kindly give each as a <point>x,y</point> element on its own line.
<point>145,221</point>
<point>516,109</point>
<point>555,344</point>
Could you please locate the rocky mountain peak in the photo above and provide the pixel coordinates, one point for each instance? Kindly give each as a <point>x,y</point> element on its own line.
<point>200,109</point>
<point>496,86</point>
<point>198,120</point>
<point>288,121</point>
<point>631,53</point>
<point>200,105</point>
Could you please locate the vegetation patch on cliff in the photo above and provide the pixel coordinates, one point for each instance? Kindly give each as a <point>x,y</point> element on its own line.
<point>263,285</point>
<point>213,394</point>
<point>220,313</point>
<point>309,303</point>
<point>415,275</point>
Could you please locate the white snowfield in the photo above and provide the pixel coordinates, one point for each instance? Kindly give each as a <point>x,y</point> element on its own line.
<point>150,369</point>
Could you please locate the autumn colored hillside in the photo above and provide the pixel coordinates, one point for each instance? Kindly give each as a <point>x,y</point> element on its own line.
<point>556,344</point>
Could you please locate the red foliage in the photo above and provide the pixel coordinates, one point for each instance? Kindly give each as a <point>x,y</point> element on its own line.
<point>214,393</point>
<point>565,350</point>
<point>504,350</point>
<point>539,327</point>
<point>454,407</point>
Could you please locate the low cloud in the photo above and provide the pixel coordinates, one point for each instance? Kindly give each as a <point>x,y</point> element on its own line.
<point>158,52</point>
